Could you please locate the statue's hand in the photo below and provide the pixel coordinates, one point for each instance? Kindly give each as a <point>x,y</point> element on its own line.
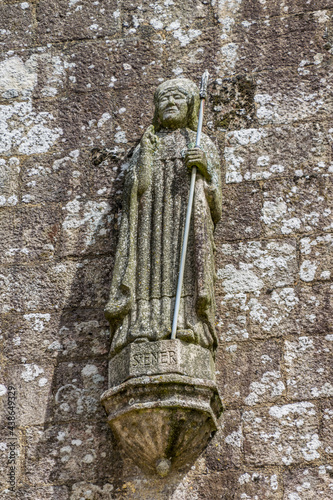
<point>149,139</point>
<point>197,157</point>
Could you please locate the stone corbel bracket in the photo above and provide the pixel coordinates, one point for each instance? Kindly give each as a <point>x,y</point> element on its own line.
<point>163,404</point>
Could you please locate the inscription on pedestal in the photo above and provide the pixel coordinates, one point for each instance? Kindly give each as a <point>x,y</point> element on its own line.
<point>164,356</point>
<point>154,358</point>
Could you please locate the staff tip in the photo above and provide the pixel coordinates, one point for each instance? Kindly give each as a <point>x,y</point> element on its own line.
<point>204,84</point>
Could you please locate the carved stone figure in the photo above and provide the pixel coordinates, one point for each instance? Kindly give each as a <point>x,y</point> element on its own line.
<point>143,289</point>
<point>162,402</point>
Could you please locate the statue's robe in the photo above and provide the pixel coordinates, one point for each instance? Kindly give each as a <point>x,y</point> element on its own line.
<point>144,281</point>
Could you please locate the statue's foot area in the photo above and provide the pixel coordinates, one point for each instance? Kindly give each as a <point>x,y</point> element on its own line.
<point>139,340</point>
<point>139,335</point>
<point>186,336</point>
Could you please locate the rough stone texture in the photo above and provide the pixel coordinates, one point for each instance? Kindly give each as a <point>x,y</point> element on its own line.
<point>251,373</point>
<point>309,483</point>
<point>76,85</point>
<point>309,367</point>
<point>56,453</point>
<point>327,426</point>
<point>282,434</point>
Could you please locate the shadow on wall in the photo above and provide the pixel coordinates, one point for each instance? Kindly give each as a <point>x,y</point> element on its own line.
<point>73,445</point>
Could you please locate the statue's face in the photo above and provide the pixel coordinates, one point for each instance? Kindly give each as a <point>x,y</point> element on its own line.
<point>172,109</point>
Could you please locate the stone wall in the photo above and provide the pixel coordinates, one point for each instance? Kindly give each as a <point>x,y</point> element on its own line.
<point>76,84</point>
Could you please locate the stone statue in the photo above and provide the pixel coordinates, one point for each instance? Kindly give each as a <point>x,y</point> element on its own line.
<point>143,288</point>
<point>162,402</point>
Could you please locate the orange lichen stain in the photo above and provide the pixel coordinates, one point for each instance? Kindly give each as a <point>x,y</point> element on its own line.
<point>130,486</point>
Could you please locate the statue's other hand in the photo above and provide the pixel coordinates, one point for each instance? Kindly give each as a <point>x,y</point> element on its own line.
<point>149,139</point>
<point>196,157</point>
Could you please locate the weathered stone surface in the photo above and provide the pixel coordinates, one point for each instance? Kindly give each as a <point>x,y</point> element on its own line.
<point>259,265</point>
<point>257,484</point>
<point>316,305</point>
<point>161,16</point>
<point>8,240</point>
<point>99,65</point>
<point>191,50</point>
<point>32,233</point>
<point>287,434</point>
<point>32,383</point>
<point>79,115</point>
<point>87,227</point>
<point>107,176</point>
<point>76,390</point>
<point>231,484</point>
<point>83,333</point>
<point>30,337</point>
<point>240,214</point>
<point>271,313</point>
<point>125,110</point>
<point>18,25</point>
<point>273,152</point>
<point>27,127</point>
<point>54,286</point>
<point>232,320</point>
<point>226,447</point>
<point>55,454</point>
<point>327,426</point>
<point>309,483</point>
<point>50,336</point>
<point>9,181</point>
<point>297,207</point>
<point>258,9</point>
<point>184,35</point>
<point>248,303</point>
<point>261,44</point>
<point>232,103</point>
<point>58,177</point>
<point>58,20</point>
<point>34,72</point>
<point>316,258</point>
<point>91,491</point>
<point>164,356</point>
<point>274,313</point>
<point>308,362</point>
<point>250,372</point>
<point>285,97</point>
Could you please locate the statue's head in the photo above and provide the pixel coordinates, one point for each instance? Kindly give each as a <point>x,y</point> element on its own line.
<point>176,104</point>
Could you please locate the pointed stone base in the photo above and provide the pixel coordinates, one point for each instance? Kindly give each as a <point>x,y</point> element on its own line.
<point>164,421</point>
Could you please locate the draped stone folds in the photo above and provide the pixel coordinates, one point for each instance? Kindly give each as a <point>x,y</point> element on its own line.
<point>143,288</point>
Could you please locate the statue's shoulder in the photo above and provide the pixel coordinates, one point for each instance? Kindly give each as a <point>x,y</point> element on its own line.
<point>134,153</point>
<point>128,166</point>
<point>132,158</point>
<point>209,146</point>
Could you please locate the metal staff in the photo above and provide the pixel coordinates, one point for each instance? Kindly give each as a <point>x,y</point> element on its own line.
<point>203,95</point>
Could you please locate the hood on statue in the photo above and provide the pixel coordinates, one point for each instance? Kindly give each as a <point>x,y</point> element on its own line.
<point>190,90</point>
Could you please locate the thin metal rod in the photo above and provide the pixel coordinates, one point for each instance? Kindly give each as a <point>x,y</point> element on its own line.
<point>187,227</point>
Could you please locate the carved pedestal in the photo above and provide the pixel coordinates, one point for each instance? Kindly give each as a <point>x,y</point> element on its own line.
<point>163,403</point>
